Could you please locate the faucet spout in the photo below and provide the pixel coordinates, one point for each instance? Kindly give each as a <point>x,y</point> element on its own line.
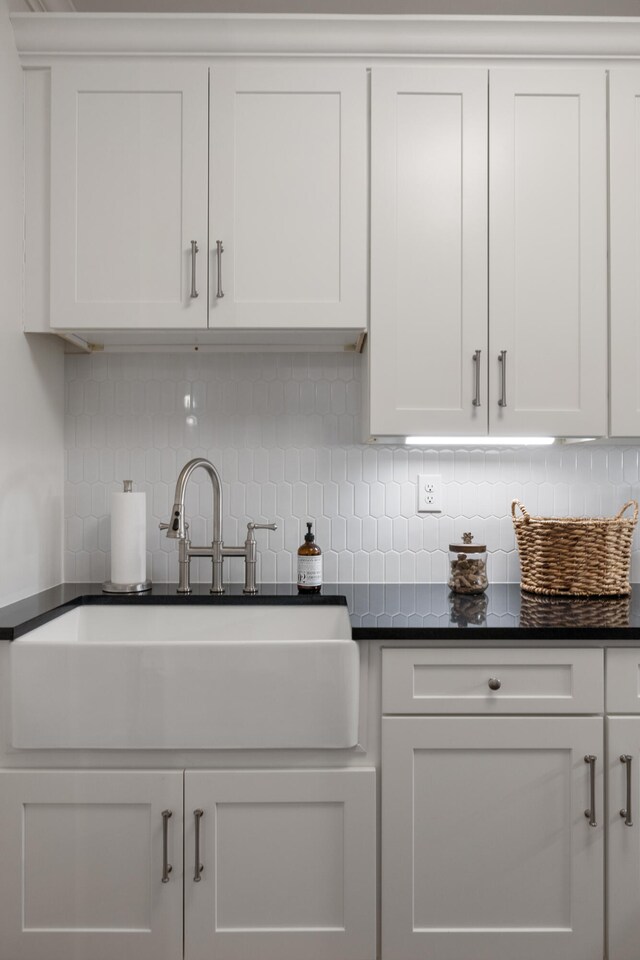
<point>177,525</point>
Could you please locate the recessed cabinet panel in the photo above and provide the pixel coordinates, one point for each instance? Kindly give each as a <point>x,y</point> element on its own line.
<point>428,251</point>
<point>83,897</point>
<point>128,175</point>
<point>288,196</point>
<point>278,257</point>
<point>137,135</point>
<point>428,190</point>
<point>514,899</point>
<point>279,866</point>
<point>548,230</point>
<point>486,850</point>
<point>85,850</point>
<point>624,133</point>
<point>288,863</point>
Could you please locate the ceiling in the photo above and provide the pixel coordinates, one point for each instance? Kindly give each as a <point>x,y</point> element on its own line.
<point>512,7</point>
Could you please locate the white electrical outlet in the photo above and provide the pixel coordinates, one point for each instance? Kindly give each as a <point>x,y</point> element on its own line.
<point>429,493</point>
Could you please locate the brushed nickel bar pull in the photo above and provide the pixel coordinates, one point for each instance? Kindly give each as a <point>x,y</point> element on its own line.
<point>590,814</point>
<point>626,758</point>
<point>476,361</point>
<point>502,360</point>
<point>166,866</point>
<point>219,252</point>
<point>198,814</point>
<point>194,251</point>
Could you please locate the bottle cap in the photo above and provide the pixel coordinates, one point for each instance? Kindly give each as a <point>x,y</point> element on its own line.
<point>309,536</point>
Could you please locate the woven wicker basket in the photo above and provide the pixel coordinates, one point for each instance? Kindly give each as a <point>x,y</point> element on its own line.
<point>575,556</point>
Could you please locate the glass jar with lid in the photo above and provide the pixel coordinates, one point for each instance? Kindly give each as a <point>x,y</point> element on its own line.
<point>468,566</point>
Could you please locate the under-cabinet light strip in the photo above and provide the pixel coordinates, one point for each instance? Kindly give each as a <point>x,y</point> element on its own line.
<point>480,441</point>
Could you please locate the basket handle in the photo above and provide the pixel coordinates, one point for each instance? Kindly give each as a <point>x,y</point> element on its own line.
<point>629,503</point>
<point>516,503</point>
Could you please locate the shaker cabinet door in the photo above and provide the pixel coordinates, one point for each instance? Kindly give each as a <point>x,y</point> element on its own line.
<point>548,252</point>
<point>428,349</point>
<point>486,850</point>
<point>623,852</point>
<point>280,864</point>
<point>128,195</point>
<point>82,858</point>
<point>288,196</point>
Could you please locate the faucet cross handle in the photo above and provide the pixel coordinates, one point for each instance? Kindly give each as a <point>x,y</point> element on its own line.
<point>251,526</point>
<point>250,550</point>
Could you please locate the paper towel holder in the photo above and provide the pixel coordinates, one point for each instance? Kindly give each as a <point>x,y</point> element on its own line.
<point>109,586</point>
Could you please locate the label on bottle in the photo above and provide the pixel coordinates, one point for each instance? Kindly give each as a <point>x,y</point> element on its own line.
<point>310,571</point>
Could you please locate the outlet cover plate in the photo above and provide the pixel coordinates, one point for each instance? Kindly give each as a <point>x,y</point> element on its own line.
<point>429,493</point>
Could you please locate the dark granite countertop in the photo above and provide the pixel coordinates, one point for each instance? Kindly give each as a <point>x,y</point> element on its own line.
<point>390,612</point>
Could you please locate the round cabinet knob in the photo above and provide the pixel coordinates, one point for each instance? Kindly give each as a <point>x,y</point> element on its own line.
<point>494,683</point>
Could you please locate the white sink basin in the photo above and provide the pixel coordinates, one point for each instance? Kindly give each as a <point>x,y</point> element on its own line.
<point>181,677</point>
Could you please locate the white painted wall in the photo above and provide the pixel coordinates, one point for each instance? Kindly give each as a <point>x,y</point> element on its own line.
<point>31,380</point>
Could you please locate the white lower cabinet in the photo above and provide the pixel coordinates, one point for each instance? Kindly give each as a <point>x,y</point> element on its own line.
<point>286,865</point>
<point>487,853</point>
<point>623,858</point>
<point>486,850</point>
<point>82,855</point>
<point>623,850</point>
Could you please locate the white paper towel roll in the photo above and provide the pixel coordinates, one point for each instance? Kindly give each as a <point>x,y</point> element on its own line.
<point>128,538</point>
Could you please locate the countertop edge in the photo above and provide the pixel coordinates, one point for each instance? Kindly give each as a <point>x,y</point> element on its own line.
<point>58,605</point>
<point>389,613</point>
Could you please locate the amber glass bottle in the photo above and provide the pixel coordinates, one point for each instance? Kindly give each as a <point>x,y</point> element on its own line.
<point>309,564</point>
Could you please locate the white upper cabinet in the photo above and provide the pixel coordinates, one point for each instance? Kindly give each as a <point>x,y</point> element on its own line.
<point>128,195</point>
<point>428,250</point>
<point>542,347</point>
<point>624,133</point>
<point>288,196</point>
<point>548,252</point>
<point>146,179</point>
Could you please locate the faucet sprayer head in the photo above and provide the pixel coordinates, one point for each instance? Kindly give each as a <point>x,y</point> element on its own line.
<point>176,528</point>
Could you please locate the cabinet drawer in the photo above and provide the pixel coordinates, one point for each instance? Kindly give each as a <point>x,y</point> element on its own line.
<point>493,681</point>
<point>623,681</point>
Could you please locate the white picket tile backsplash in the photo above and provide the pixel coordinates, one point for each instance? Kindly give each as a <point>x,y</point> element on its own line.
<point>284,432</point>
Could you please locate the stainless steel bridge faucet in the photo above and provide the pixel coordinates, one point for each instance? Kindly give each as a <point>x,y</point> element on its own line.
<point>177,529</point>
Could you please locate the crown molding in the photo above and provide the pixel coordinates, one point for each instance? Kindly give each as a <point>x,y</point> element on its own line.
<point>73,34</point>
